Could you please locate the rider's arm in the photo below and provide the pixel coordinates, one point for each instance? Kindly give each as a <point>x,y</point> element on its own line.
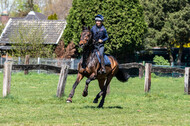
<point>106,36</point>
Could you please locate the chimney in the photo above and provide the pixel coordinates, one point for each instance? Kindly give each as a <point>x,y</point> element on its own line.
<point>4,17</point>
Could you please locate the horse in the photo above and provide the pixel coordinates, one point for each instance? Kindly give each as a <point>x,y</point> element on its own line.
<point>93,67</point>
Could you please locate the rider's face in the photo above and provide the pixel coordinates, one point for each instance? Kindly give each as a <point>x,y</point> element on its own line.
<point>98,23</point>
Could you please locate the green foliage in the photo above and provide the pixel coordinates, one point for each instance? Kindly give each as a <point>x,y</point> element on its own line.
<point>159,60</point>
<point>33,101</point>
<point>53,17</point>
<point>23,7</point>
<point>124,21</point>
<point>29,41</point>
<point>1,28</point>
<point>168,23</point>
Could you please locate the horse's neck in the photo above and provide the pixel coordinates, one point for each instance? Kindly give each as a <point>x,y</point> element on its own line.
<point>90,55</point>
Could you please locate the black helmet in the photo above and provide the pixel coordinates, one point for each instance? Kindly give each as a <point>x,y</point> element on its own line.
<point>99,17</point>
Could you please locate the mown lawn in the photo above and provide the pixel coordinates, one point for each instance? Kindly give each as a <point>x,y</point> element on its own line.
<point>33,101</point>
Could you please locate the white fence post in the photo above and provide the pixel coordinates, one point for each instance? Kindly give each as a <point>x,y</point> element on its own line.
<point>38,63</point>
<point>1,60</point>
<point>19,60</point>
<point>187,80</point>
<point>72,63</point>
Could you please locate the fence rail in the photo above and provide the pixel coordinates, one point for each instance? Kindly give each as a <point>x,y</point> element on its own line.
<point>54,69</point>
<point>158,69</point>
<point>8,67</point>
<point>73,63</point>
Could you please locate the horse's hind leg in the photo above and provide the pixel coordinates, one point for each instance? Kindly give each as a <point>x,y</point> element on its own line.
<point>101,85</point>
<point>79,78</point>
<point>105,91</point>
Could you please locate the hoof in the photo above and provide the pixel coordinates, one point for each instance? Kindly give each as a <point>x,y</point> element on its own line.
<point>85,93</point>
<point>100,106</point>
<point>95,101</point>
<point>69,100</point>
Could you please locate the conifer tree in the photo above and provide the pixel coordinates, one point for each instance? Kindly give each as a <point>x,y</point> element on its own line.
<point>124,21</point>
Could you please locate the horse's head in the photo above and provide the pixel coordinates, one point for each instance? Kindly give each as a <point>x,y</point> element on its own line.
<point>86,37</point>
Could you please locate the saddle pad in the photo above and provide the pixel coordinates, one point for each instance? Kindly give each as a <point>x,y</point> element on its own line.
<point>106,59</point>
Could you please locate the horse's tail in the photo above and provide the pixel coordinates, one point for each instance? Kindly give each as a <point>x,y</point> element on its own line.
<point>122,75</point>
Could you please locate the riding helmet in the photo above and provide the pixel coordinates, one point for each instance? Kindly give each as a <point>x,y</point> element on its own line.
<point>99,17</point>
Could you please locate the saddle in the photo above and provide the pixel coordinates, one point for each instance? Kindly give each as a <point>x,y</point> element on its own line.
<point>106,59</point>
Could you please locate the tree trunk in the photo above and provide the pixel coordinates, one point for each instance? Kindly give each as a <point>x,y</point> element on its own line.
<point>180,54</point>
<point>31,5</point>
<point>169,49</point>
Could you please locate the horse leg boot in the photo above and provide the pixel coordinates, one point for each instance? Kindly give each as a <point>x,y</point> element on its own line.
<point>85,92</point>
<point>79,78</point>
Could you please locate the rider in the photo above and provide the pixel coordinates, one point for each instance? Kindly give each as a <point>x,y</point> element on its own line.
<point>100,35</point>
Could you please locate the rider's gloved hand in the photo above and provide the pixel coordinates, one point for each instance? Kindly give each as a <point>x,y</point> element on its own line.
<point>100,41</point>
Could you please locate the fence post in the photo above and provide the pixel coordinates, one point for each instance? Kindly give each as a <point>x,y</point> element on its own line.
<point>141,71</point>
<point>19,60</point>
<point>62,80</point>
<point>187,80</point>
<point>72,63</point>
<point>38,63</point>
<point>1,60</point>
<point>147,83</point>
<point>7,78</point>
<point>27,58</point>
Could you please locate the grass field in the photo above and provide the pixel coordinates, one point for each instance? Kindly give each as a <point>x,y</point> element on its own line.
<point>33,101</point>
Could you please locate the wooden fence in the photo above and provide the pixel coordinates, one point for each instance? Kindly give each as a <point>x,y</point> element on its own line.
<point>149,68</point>
<point>8,67</point>
<point>64,70</point>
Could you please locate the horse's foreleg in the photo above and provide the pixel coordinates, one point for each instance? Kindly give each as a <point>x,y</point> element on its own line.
<point>91,78</point>
<point>79,78</point>
<point>104,92</point>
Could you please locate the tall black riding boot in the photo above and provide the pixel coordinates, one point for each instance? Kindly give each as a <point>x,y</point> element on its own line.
<point>103,65</point>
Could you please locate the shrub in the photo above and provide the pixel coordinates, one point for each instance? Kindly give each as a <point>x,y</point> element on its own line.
<point>159,60</point>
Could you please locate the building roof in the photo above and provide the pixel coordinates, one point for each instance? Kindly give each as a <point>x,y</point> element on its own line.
<point>35,16</point>
<point>52,29</point>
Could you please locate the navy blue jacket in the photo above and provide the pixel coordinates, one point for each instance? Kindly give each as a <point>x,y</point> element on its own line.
<point>99,33</point>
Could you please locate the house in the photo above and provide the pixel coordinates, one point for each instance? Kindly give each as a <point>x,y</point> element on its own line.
<point>52,29</point>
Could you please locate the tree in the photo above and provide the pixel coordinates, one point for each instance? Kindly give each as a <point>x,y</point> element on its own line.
<point>53,17</point>
<point>60,7</point>
<point>62,52</point>
<point>181,26</point>
<point>6,5</point>
<point>23,7</point>
<point>29,41</point>
<point>124,21</point>
<point>163,26</point>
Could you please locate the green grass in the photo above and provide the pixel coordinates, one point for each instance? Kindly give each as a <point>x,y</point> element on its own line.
<point>33,101</point>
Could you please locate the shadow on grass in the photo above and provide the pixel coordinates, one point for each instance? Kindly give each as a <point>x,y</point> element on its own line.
<point>109,107</point>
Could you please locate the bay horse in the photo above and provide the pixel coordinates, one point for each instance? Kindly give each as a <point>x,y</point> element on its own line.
<point>93,67</point>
